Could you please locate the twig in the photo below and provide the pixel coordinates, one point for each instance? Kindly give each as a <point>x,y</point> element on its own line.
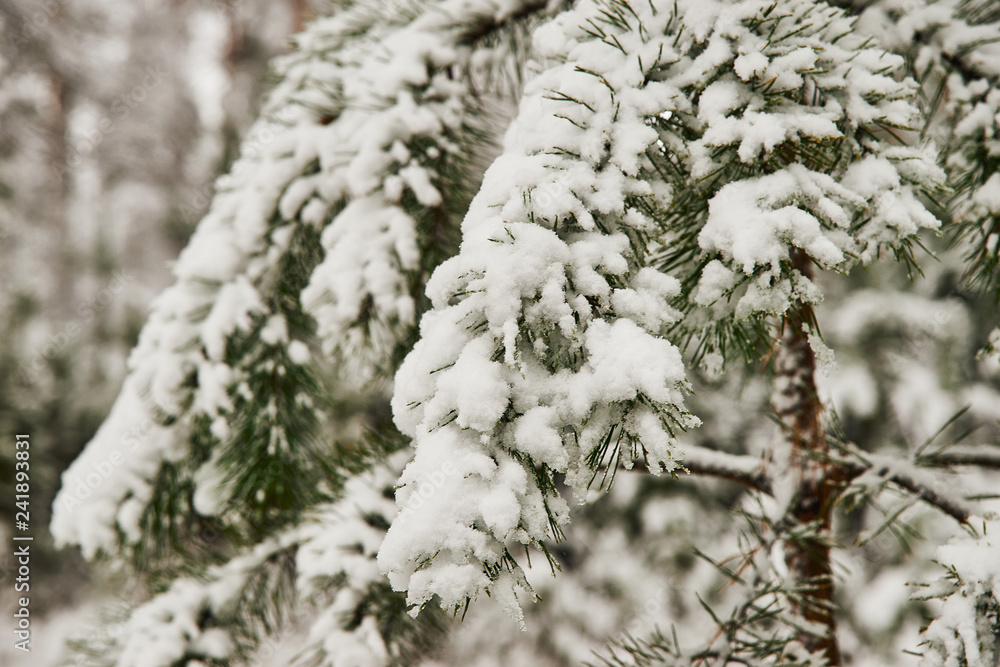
<point>745,470</point>
<point>953,508</point>
<point>748,471</point>
<point>967,458</point>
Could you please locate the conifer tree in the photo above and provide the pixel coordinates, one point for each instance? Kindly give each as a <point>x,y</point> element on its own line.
<point>496,255</point>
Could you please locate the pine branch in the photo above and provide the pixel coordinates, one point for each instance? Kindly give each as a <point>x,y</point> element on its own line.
<point>953,508</point>
<point>745,470</point>
<point>967,629</point>
<point>474,32</point>
<point>749,472</point>
<point>982,458</point>
<point>320,571</point>
<point>566,309</point>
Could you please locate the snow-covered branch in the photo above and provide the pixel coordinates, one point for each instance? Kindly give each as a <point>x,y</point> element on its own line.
<point>920,483</point>
<point>979,458</point>
<point>347,194</point>
<point>967,629</point>
<point>750,472</point>
<point>746,470</point>
<point>511,381</point>
<point>330,558</point>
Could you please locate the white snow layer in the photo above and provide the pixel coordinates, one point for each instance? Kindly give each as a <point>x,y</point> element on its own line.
<point>836,215</point>
<point>338,541</point>
<point>545,331</point>
<point>964,631</point>
<point>107,486</point>
<point>335,147</point>
<point>545,328</point>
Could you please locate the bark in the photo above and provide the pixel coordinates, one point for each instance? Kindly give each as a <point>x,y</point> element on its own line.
<point>301,13</point>
<point>800,411</point>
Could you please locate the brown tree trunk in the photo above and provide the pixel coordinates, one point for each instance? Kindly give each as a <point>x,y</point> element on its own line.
<point>799,408</point>
<point>301,12</point>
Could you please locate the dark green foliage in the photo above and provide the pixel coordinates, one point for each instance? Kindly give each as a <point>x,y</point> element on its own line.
<point>275,460</point>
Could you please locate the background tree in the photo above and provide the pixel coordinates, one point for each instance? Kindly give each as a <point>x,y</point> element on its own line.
<point>683,194</point>
<point>109,142</point>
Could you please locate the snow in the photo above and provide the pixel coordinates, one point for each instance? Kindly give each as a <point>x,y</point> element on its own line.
<point>988,195</point>
<point>757,89</point>
<point>231,312</point>
<point>641,302</point>
<point>209,488</point>
<point>475,386</point>
<point>536,434</point>
<point>760,133</point>
<point>547,330</point>
<point>119,465</point>
<point>544,328</point>
<point>963,633</point>
<point>627,362</point>
<point>338,541</point>
<point>299,353</point>
<point>367,244</point>
<point>826,361</point>
<point>716,281</point>
<point>275,330</point>
<point>314,155</point>
<point>753,222</point>
<point>361,647</point>
<point>975,561</point>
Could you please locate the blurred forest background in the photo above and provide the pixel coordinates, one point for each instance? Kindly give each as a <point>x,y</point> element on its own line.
<point>115,119</point>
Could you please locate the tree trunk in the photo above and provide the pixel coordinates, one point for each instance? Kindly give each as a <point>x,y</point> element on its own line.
<point>799,408</point>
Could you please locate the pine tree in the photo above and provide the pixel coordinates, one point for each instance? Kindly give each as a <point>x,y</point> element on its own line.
<point>87,220</point>
<point>692,205</point>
